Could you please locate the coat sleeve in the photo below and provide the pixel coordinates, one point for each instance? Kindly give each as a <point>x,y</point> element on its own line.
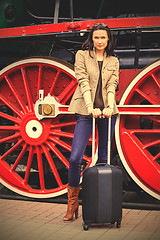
<point>81,72</point>
<point>114,79</point>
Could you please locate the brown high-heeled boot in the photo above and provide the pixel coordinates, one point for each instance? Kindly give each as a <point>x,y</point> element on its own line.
<point>73,204</point>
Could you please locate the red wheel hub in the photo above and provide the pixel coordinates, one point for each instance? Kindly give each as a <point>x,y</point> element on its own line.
<point>33,131</point>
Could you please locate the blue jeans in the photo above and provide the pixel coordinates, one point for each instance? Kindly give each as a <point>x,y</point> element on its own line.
<point>82,133</point>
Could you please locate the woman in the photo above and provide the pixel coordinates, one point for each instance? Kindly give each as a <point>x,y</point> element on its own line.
<point>97,73</point>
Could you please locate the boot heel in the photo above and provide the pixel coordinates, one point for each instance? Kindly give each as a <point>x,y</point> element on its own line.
<point>72,207</point>
<point>76,213</point>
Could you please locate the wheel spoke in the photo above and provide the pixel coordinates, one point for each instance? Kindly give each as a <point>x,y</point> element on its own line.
<point>145,96</point>
<point>29,163</point>
<point>60,125</point>
<point>19,158</point>
<point>55,81</point>
<point>153,143</point>
<point>40,169</point>
<point>149,131</point>
<point>27,90</point>
<point>17,96</point>
<point>11,106</point>
<point>9,128</point>
<point>16,135</point>
<point>52,166</point>
<point>62,134</point>
<point>12,149</point>
<point>87,159</point>
<point>156,157</point>
<point>155,79</point>
<point>67,93</point>
<point>58,154</point>
<point>67,147</point>
<point>6,116</point>
<point>39,84</point>
<point>61,143</point>
<point>152,118</point>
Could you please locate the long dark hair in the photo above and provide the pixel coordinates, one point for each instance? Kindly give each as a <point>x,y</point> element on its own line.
<point>88,44</point>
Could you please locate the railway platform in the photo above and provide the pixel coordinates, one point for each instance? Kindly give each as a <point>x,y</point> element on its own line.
<point>44,221</point>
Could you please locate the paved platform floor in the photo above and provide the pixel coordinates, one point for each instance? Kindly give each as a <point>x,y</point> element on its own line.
<point>28,220</point>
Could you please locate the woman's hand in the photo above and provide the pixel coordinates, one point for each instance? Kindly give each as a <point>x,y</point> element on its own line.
<point>96,112</point>
<point>90,109</point>
<point>107,112</point>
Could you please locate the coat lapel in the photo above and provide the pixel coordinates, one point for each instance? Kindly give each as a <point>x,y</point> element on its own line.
<point>105,60</point>
<point>94,63</point>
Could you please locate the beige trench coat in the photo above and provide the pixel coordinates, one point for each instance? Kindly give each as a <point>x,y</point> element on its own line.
<point>87,74</point>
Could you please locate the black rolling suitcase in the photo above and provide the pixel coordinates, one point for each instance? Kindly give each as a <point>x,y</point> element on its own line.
<point>102,191</point>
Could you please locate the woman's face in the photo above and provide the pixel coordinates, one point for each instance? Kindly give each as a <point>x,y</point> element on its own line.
<point>100,39</point>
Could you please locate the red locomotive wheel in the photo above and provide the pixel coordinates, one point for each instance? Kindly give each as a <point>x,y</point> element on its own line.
<point>34,155</point>
<point>138,135</point>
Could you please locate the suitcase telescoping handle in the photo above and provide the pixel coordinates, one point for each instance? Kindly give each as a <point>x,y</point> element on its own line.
<point>109,140</point>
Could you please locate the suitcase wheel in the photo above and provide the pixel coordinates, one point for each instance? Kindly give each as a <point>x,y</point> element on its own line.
<point>118,224</point>
<point>85,226</point>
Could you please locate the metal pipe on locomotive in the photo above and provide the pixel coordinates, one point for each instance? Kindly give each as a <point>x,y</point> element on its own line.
<point>37,82</point>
